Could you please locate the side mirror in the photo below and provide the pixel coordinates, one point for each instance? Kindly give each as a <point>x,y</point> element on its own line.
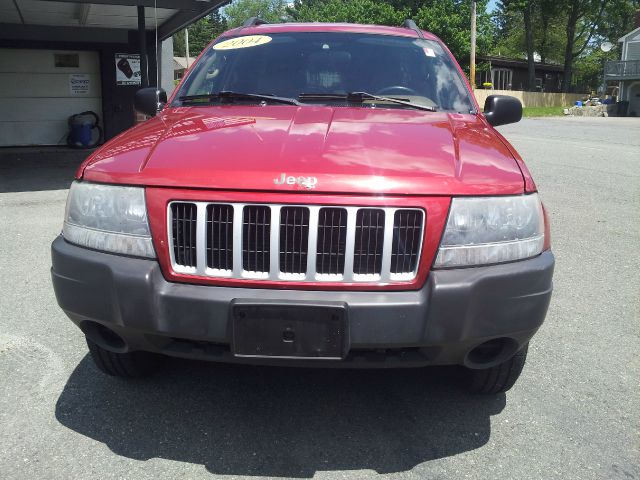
<point>502,109</point>
<point>150,100</point>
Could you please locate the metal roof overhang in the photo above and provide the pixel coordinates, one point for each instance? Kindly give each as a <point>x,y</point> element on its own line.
<point>97,20</point>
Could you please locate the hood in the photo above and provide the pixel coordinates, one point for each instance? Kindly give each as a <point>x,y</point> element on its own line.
<point>311,149</point>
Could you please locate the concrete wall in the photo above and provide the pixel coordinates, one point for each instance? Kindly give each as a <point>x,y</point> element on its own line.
<point>533,99</point>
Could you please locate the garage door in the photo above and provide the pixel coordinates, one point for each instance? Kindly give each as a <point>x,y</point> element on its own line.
<point>40,89</point>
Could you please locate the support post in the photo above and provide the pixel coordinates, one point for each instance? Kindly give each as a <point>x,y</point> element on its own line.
<point>472,62</point>
<point>142,43</point>
<point>186,46</point>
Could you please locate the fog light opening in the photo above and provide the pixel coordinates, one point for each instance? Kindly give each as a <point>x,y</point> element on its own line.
<point>103,336</point>
<point>491,353</point>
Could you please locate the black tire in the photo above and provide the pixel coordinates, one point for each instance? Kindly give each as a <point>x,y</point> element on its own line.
<point>500,378</point>
<point>124,365</point>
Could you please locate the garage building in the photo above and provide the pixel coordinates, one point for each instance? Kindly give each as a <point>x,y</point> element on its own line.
<point>62,58</point>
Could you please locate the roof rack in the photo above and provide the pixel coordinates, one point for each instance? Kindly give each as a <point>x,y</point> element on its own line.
<point>408,23</point>
<point>253,21</point>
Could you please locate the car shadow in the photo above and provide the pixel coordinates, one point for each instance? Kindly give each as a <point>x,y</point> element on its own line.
<point>31,169</point>
<point>280,422</point>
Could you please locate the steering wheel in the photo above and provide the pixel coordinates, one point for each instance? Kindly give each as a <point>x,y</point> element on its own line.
<point>397,89</point>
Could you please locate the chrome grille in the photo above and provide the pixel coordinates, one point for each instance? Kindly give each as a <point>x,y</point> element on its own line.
<point>369,239</point>
<point>295,242</point>
<point>294,239</point>
<point>183,233</point>
<point>256,241</point>
<point>332,241</point>
<point>220,237</point>
<point>407,232</point>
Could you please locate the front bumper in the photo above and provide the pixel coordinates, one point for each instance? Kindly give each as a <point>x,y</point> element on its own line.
<point>454,311</point>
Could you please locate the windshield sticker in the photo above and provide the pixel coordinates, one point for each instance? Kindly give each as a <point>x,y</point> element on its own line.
<point>242,42</point>
<point>429,52</point>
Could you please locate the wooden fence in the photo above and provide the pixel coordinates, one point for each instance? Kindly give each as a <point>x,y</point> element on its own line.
<point>533,99</point>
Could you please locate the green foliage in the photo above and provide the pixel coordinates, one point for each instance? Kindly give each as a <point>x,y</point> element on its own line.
<point>273,11</point>
<point>356,11</point>
<point>200,34</point>
<point>568,32</point>
<point>549,30</point>
<point>588,68</point>
<point>353,11</point>
<point>451,21</point>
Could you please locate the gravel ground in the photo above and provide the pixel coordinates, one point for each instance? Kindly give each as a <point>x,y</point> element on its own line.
<point>575,414</point>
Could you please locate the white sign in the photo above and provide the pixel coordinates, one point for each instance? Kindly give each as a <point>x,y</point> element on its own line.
<point>79,84</point>
<point>128,69</point>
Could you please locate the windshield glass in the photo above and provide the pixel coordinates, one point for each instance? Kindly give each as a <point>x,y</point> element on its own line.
<point>297,65</point>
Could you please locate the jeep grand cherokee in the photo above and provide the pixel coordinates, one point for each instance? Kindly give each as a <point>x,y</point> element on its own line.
<point>311,195</point>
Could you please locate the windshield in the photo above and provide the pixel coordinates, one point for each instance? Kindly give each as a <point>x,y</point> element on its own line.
<point>298,65</point>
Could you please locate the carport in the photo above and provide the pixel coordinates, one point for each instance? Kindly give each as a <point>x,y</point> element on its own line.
<point>58,58</point>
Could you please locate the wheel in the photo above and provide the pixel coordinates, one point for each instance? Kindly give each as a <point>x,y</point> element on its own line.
<point>500,378</point>
<point>125,365</point>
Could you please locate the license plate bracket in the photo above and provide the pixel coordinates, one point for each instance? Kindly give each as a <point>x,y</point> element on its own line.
<point>285,330</point>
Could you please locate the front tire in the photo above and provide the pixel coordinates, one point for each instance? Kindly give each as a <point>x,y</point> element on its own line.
<point>124,365</point>
<point>500,378</point>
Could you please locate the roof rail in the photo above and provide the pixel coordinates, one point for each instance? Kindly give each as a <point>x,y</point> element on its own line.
<point>253,21</point>
<point>408,23</point>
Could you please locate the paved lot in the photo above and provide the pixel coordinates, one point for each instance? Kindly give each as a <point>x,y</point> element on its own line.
<point>575,414</point>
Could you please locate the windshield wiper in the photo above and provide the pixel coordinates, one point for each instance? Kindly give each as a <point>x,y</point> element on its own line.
<point>361,97</point>
<point>229,95</point>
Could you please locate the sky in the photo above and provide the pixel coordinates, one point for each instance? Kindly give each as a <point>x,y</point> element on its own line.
<point>491,6</point>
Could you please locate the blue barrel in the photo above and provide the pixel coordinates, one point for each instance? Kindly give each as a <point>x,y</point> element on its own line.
<point>578,103</point>
<point>81,133</point>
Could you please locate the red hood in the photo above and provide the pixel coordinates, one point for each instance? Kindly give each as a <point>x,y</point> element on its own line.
<point>348,150</point>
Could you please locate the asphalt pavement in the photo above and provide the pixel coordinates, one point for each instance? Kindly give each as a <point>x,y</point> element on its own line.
<point>574,414</point>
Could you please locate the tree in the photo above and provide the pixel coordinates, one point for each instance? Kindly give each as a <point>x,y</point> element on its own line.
<point>616,20</point>
<point>273,11</point>
<point>549,33</point>
<point>353,11</point>
<point>451,19</point>
<point>583,19</point>
<point>200,34</point>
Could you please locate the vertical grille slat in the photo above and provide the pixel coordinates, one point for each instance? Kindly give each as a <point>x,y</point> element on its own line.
<point>183,233</point>
<point>367,259</point>
<point>295,242</point>
<point>332,237</point>
<point>220,237</point>
<point>294,235</point>
<point>407,231</point>
<point>256,248</point>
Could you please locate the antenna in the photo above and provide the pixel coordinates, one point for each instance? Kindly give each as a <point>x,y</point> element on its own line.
<point>158,58</point>
<point>410,24</point>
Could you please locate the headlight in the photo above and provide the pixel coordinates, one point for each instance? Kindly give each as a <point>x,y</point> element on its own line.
<point>485,230</point>
<point>108,218</point>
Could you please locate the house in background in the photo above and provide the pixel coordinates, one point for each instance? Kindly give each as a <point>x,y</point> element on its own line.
<point>626,71</point>
<point>512,74</point>
<point>180,66</point>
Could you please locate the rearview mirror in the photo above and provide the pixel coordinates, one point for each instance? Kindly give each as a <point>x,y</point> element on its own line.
<point>502,109</point>
<point>150,100</point>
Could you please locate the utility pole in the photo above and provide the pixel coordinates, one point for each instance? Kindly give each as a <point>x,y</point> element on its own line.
<point>472,63</point>
<point>186,45</point>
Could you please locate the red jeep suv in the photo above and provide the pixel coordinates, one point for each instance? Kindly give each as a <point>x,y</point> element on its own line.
<point>310,195</point>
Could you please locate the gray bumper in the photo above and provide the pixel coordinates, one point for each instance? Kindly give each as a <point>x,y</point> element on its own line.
<point>454,311</point>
